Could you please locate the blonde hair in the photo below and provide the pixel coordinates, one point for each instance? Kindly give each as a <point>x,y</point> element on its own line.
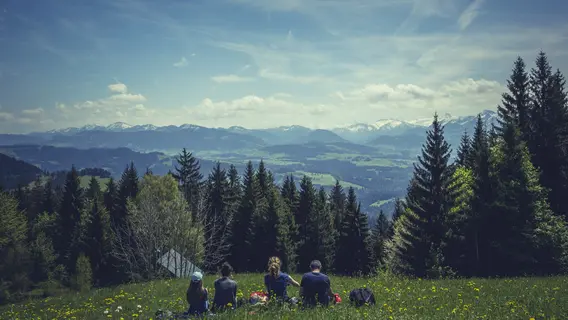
<point>274,264</point>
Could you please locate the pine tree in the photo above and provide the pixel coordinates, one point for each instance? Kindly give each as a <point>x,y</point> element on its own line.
<point>353,250</point>
<point>97,229</point>
<point>307,233</point>
<point>286,232</point>
<point>549,139</point>
<point>515,104</point>
<point>190,179</point>
<point>380,235</point>
<point>464,150</point>
<point>337,204</point>
<point>242,228</point>
<point>94,189</point>
<point>419,232</point>
<point>290,193</point>
<point>69,223</point>
<point>324,223</point>
<point>110,197</point>
<point>49,201</point>
<point>218,217</point>
<point>235,190</point>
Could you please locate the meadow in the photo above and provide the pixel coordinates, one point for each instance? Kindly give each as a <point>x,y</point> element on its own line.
<point>521,298</point>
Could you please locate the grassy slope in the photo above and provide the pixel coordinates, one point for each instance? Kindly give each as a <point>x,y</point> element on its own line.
<point>525,298</point>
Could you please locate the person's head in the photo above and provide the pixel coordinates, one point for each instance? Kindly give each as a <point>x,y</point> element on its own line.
<point>226,270</point>
<point>196,284</point>
<point>315,265</point>
<point>274,264</point>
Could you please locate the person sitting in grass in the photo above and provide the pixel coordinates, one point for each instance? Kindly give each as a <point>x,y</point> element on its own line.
<point>225,289</point>
<point>197,295</point>
<point>276,282</point>
<point>315,283</point>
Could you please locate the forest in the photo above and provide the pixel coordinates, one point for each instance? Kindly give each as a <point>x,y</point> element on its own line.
<point>499,210</point>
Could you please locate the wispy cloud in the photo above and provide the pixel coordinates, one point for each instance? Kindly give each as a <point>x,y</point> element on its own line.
<point>469,14</point>
<point>231,78</point>
<point>118,87</point>
<point>181,63</point>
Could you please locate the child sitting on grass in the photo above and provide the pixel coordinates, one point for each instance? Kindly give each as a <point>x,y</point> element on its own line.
<point>197,295</point>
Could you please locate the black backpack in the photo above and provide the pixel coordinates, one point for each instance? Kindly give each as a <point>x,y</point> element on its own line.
<point>362,296</point>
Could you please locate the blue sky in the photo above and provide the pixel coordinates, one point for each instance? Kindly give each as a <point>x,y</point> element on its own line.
<point>263,63</point>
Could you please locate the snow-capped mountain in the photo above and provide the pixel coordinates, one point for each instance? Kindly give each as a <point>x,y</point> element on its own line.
<point>358,133</point>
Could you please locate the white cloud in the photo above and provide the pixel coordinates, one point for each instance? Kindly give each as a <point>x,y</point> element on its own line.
<point>365,104</point>
<point>33,112</point>
<point>182,63</point>
<point>118,87</point>
<point>469,14</point>
<point>231,78</point>
<point>6,116</point>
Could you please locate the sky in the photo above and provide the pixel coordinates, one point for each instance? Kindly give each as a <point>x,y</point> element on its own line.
<point>263,63</point>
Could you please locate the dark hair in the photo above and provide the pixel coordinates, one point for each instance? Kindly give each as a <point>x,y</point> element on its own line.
<point>226,269</point>
<point>315,264</point>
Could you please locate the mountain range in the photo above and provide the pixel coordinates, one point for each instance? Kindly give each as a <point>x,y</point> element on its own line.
<point>385,132</point>
<point>374,158</point>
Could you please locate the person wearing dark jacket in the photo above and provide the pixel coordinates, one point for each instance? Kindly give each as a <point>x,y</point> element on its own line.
<point>225,290</point>
<point>315,287</point>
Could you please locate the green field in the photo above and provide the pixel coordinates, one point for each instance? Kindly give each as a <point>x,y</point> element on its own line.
<point>523,298</point>
<point>380,203</point>
<point>86,179</point>
<point>324,179</point>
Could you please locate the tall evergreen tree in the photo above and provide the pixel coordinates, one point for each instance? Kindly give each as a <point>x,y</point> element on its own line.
<point>379,236</point>
<point>325,230</point>
<point>337,204</point>
<point>549,140</point>
<point>235,189</point>
<point>190,179</point>
<point>353,250</point>
<point>514,107</point>
<point>421,234</point>
<point>483,185</point>
<point>94,189</point>
<point>464,150</point>
<point>290,193</point>
<point>218,217</point>
<point>49,201</point>
<point>69,223</point>
<point>242,228</point>
<point>307,233</point>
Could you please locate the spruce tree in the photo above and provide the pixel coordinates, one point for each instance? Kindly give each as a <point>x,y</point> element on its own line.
<point>379,236</point>
<point>326,233</point>
<point>235,190</point>
<point>337,204</point>
<point>49,201</point>
<point>290,193</point>
<point>514,107</point>
<point>190,179</point>
<point>307,233</point>
<point>242,228</point>
<point>218,217</point>
<point>94,189</point>
<point>69,223</point>
<point>481,204</point>
<point>419,232</point>
<point>464,150</point>
<point>549,138</point>
<point>353,250</point>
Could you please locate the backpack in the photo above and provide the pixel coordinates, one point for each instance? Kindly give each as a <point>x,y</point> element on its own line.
<point>362,296</point>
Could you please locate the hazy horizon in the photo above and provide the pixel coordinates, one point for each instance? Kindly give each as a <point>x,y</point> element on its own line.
<point>262,64</point>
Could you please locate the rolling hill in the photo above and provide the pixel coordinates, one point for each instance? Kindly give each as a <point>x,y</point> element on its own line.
<point>14,172</point>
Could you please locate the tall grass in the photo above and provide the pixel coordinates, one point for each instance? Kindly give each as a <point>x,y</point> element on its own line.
<point>522,298</point>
